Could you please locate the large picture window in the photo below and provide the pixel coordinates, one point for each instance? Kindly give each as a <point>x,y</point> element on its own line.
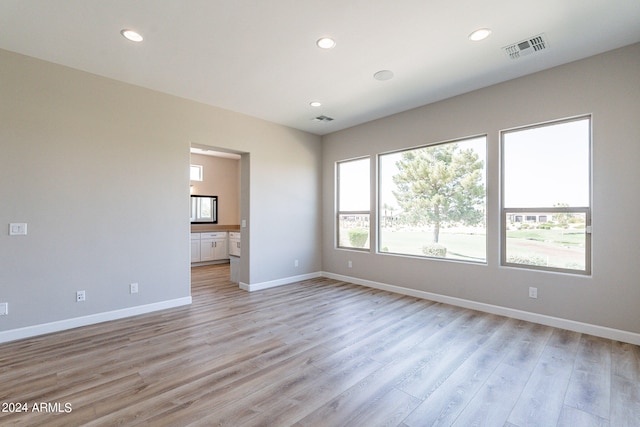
<point>354,204</point>
<point>432,201</point>
<point>546,216</point>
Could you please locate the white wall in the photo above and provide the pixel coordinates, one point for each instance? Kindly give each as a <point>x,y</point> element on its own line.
<point>608,86</point>
<point>100,172</point>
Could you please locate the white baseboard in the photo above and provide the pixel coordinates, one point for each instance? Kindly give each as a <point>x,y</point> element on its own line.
<point>557,322</point>
<point>61,325</point>
<point>279,282</point>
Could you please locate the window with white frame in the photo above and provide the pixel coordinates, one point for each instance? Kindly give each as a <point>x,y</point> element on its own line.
<point>432,201</point>
<point>353,204</point>
<point>546,209</point>
<point>196,172</point>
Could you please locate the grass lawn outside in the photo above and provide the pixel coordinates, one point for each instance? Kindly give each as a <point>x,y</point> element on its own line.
<point>467,245</point>
<point>561,248</point>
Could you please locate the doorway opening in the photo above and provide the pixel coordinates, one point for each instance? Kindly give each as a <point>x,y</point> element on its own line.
<point>221,173</point>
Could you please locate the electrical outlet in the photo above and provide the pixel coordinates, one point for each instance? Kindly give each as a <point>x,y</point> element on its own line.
<point>349,264</point>
<point>133,288</point>
<point>533,292</point>
<point>4,308</point>
<point>80,296</point>
<point>295,263</point>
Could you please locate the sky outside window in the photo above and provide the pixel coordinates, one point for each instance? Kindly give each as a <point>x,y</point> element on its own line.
<point>546,166</point>
<point>354,185</point>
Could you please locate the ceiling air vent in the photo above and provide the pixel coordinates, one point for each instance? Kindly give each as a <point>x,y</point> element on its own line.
<point>323,118</point>
<point>527,47</point>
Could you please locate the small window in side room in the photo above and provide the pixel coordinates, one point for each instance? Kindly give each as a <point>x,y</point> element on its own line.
<point>353,204</point>
<point>546,208</point>
<point>196,173</point>
<point>432,201</point>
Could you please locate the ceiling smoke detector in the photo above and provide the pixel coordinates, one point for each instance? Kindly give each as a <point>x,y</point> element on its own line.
<point>323,119</point>
<point>383,75</point>
<point>527,47</point>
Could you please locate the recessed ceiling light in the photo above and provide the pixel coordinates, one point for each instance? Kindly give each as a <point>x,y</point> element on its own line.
<point>383,75</point>
<point>326,43</point>
<point>480,34</point>
<point>131,35</point>
<point>315,103</point>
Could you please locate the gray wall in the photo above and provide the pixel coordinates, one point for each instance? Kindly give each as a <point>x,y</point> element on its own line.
<point>100,172</point>
<point>608,86</point>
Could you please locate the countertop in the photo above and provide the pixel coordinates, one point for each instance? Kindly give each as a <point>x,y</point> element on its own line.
<point>199,228</point>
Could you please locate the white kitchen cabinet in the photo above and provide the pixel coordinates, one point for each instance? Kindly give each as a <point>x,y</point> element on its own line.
<point>195,247</point>
<point>214,246</point>
<point>234,243</point>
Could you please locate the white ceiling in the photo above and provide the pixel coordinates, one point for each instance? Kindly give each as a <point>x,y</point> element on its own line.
<point>259,57</point>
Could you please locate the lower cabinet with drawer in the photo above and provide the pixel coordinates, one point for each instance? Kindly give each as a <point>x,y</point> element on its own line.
<point>214,246</point>
<point>210,246</point>
<point>195,247</point>
<point>234,243</point>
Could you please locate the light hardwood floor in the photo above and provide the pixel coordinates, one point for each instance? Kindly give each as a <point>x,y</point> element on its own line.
<point>319,353</point>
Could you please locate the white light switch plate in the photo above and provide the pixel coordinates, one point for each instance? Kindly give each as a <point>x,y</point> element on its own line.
<point>18,229</point>
<point>4,308</point>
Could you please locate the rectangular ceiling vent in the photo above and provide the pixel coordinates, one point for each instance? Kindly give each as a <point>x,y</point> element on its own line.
<point>527,47</point>
<point>323,118</point>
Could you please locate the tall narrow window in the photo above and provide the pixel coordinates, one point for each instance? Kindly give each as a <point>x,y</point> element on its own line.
<point>546,213</point>
<point>354,204</point>
<point>432,201</point>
